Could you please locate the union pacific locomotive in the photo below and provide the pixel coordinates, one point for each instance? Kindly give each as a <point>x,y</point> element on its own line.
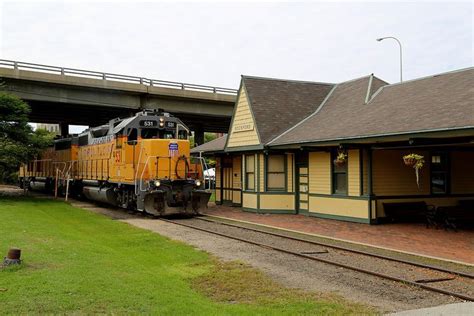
<point>140,163</point>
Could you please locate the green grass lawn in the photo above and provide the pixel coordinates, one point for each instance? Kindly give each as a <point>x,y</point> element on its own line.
<point>81,262</point>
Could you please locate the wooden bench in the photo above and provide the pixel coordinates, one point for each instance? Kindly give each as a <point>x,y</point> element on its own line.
<point>408,211</point>
<point>461,214</point>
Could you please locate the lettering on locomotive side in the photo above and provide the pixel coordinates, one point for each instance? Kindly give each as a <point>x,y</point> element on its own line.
<point>102,140</point>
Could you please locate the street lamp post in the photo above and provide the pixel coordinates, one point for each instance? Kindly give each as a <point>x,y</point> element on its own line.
<point>400,45</point>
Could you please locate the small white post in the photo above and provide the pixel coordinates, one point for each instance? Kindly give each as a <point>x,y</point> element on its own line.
<point>67,187</point>
<point>56,184</point>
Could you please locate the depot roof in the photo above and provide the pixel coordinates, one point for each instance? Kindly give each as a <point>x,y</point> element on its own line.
<point>367,107</point>
<point>297,112</point>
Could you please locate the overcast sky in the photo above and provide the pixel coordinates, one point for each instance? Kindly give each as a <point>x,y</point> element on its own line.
<point>213,43</point>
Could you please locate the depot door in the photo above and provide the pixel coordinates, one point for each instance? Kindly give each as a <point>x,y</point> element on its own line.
<point>227,183</point>
<point>302,182</point>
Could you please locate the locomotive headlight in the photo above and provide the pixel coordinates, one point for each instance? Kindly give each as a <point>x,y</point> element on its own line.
<point>198,183</point>
<point>157,183</point>
<point>162,124</point>
<point>162,119</point>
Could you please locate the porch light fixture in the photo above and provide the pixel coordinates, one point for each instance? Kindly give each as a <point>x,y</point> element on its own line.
<point>400,45</point>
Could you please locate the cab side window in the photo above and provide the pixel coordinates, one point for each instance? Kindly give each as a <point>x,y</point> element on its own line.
<point>132,134</point>
<point>182,134</point>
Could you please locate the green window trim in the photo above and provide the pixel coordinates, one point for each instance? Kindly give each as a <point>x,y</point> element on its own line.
<point>283,171</point>
<point>440,173</point>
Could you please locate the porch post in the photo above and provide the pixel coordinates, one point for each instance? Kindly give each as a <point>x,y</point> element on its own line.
<point>222,179</point>
<point>369,182</point>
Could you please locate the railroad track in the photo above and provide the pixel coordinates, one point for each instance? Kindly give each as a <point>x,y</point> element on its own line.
<point>432,272</point>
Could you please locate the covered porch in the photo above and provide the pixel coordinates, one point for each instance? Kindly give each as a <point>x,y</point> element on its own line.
<point>443,195</point>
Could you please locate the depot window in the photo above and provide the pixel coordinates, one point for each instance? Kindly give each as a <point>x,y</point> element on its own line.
<point>275,174</point>
<point>439,173</point>
<point>250,172</point>
<point>339,176</point>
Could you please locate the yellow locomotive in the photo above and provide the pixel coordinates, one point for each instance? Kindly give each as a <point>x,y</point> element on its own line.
<point>141,163</point>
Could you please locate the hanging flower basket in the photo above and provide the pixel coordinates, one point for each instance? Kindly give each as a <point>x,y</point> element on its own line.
<point>409,161</point>
<point>415,161</point>
<point>341,159</point>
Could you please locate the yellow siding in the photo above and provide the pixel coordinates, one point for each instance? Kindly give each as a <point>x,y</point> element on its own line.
<point>339,207</point>
<point>243,118</point>
<point>462,172</point>
<point>392,177</point>
<point>320,172</point>
<point>353,172</point>
<point>249,200</point>
<point>277,202</point>
<point>236,182</point>
<point>261,162</point>
<point>290,171</point>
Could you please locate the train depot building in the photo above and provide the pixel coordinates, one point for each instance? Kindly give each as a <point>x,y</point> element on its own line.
<point>337,150</point>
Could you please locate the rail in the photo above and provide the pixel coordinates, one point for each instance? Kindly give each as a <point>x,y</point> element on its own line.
<point>63,71</point>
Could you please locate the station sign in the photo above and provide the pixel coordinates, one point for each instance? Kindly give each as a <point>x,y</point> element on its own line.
<point>242,127</point>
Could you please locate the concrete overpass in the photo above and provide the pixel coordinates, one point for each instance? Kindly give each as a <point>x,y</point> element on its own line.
<point>82,97</point>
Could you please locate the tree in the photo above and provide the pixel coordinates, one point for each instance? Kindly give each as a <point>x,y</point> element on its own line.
<point>18,142</point>
<point>207,138</point>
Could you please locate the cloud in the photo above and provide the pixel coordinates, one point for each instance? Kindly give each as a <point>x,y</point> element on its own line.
<point>213,43</point>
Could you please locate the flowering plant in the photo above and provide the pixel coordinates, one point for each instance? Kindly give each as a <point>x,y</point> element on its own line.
<point>417,162</point>
<point>341,159</point>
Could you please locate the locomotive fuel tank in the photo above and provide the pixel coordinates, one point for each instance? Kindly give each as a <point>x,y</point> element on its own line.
<point>104,195</point>
<point>38,185</point>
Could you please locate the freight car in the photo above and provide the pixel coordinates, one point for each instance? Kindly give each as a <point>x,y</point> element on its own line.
<point>140,163</point>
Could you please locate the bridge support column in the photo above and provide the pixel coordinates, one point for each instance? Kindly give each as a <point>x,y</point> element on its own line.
<point>198,136</point>
<point>64,128</point>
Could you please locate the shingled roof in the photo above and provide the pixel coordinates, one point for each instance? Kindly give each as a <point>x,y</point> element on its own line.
<point>439,102</point>
<point>279,104</point>
<point>215,145</point>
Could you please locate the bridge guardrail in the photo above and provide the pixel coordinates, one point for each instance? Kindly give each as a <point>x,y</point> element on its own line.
<point>111,76</point>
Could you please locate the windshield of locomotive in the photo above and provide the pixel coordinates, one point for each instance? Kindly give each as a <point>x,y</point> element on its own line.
<point>156,133</point>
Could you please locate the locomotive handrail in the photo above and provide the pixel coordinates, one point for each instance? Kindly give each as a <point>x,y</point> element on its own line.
<point>35,164</point>
<point>203,164</point>
<point>144,167</point>
<point>18,65</point>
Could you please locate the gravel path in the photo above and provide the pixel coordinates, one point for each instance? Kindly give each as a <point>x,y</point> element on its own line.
<point>10,190</point>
